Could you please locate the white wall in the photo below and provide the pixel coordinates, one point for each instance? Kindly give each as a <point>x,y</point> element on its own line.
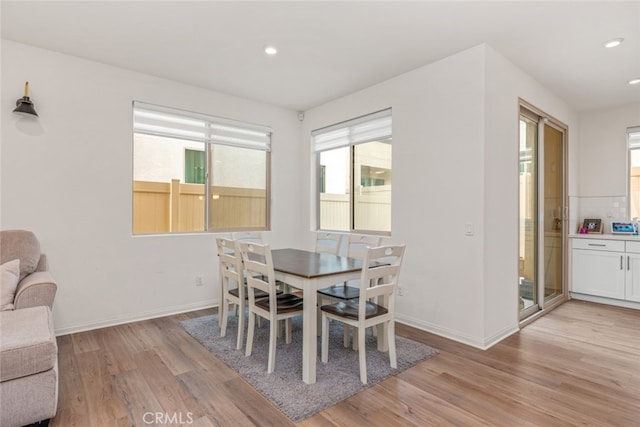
<point>437,135</point>
<point>505,83</point>
<point>602,158</point>
<point>67,176</point>
<point>603,147</point>
<point>455,161</point>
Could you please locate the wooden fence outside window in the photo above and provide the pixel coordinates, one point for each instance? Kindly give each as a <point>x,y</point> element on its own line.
<point>163,207</point>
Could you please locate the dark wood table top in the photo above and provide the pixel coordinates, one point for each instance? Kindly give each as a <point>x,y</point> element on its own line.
<point>312,264</point>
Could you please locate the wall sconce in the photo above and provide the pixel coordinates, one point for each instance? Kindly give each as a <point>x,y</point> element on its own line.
<point>24,104</point>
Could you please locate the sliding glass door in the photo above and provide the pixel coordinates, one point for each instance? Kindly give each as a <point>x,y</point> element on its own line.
<point>528,208</point>
<point>542,213</point>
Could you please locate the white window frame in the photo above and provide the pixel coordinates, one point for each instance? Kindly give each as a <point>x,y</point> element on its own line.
<point>156,120</point>
<point>360,130</point>
<point>633,144</point>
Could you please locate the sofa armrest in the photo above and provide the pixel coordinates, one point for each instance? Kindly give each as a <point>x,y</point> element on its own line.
<point>43,264</point>
<point>36,289</point>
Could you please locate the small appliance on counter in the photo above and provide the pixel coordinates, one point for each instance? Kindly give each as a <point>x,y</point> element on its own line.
<point>624,227</point>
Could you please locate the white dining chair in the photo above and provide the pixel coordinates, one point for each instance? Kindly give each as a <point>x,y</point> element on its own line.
<point>378,282</point>
<point>258,263</point>
<point>256,237</point>
<point>247,236</point>
<point>330,243</point>
<point>233,286</point>
<point>357,245</point>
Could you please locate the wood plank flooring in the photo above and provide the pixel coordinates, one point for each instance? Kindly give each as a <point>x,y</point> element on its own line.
<point>578,365</point>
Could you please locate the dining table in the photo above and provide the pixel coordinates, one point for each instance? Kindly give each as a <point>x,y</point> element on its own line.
<point>310,271</point>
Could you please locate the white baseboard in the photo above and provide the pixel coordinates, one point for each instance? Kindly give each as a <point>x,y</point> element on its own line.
<point>499,336</point>
<point>603,300</point>
<point>152,314</point>
<point>483,344</point>
<point>168,311</point>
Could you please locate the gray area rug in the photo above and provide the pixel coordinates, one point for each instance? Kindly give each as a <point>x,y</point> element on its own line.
<point>335,381</point>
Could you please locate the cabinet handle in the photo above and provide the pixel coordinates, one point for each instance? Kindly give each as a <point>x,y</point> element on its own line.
<point>621,268</point>
<point>602,245</point>
<point>628,262</point>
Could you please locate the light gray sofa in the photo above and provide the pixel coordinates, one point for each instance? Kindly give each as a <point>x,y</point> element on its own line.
<point>28,348</point>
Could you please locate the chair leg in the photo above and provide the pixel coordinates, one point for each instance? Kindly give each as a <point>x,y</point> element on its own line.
<point>224,312</point>
<point>325,339</point>
<point>382,337</point>
<point>391,336</point>
<point>252,325</point>
<point>241,315</point>
<point>287,331</point>
<point>347,336</point>
<point>355,336</point>
<point>362,353</point>
<point>319,312</point>
<point>273,337</point>
<point>374,330</point>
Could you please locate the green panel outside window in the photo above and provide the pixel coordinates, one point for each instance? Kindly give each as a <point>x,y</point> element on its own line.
<point>193,166</point>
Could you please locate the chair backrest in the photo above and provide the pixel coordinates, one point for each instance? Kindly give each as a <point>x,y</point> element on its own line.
<point>357,245</point>
<point>230,265</point>
<point>247,236</point>
<point>380,274</point>
<point>22,245</point>
<point>328,242</point>
<point>258,264</point>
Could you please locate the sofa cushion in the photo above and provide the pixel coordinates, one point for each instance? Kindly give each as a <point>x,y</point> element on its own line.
<point>22,245</point>
<point>9,277</point>
<point>27,342</point>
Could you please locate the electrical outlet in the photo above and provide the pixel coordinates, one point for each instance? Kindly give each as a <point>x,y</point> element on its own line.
<point>400,291</point>
<point>468,229</point>
<point>199,280</point>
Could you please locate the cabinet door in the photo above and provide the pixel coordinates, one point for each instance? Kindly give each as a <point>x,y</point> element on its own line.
<point>633,277</point>
<point>598,273</point>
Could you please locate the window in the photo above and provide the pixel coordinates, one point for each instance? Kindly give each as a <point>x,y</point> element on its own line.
<point>193,172</point>
<point>633,139</point>
<point>194,166</point>
<point>371,176</point>
<point>322,182</point>
<point>354,174</point>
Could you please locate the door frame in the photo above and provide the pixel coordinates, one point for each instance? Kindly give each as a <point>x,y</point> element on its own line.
<point>542,307</point>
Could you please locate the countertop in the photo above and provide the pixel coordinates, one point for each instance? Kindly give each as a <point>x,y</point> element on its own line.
<point>605,236</point>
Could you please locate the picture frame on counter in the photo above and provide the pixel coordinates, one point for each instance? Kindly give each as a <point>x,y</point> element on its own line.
<point>591,226</point>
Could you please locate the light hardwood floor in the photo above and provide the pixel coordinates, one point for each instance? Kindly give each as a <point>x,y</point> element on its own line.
<point>579,365</point>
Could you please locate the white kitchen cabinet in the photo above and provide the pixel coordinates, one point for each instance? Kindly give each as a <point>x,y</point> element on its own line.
<point>599,269</point>
<point>607,268</point>
<point>633,272</point>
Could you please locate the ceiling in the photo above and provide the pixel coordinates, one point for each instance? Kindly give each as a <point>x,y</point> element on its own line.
<point>330,49</point>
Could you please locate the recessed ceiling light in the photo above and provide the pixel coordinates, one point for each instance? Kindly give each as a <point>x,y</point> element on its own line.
<point>270,50</point>
<point>614,43</point>
<point>634,81</point>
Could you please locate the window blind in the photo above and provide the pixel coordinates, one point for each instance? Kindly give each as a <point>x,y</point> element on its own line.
<point>172,123</point>
<point>372,127</point>
<point>633,135</point>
